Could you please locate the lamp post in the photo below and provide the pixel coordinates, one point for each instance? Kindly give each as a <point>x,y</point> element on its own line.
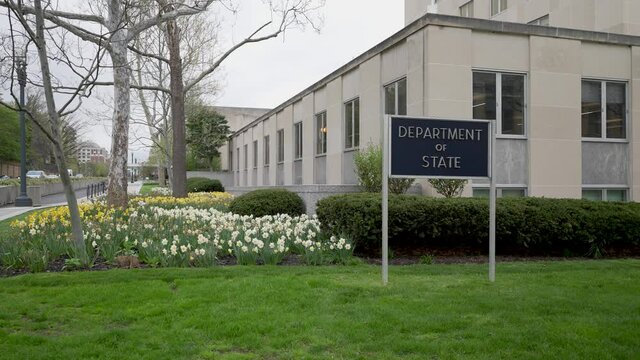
<point>22,199</point>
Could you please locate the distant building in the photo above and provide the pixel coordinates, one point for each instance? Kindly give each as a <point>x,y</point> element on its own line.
<point>237,117</point>
<point>560,79</point>
<point>92,152</point>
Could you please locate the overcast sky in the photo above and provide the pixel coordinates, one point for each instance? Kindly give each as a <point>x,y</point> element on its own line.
<point>268,73</point>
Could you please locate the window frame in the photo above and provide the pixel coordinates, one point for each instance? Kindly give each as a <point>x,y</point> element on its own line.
<point>500,188</point>
<point>297,141</point>
<point>280,146</point>
<point>246,156</point>
<point>238,158</point>
<point>603,110</point>
<point>500,8</point>
<point>604,189</point>
<point>498,119</point>
<point>321,147</point>
<point>395,82</point>
<point>352,101</point>
<point>266,160</point>
<point>464,9</point>
<point>538,21</point>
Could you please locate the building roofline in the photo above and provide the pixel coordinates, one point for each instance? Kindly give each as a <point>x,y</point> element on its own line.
<point>502,27</point>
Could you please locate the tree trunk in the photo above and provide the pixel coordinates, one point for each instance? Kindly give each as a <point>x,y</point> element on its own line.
<point>54,119</point>
<point>179,184</point>
<point>161,179</point>
<point>117,180</point>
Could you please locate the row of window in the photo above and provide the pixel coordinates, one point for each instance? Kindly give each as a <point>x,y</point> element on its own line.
<point>502,97</point>
<point>600,194</point>
<point>497,6</point>
<point>395,104</point>
<point>496,96</point>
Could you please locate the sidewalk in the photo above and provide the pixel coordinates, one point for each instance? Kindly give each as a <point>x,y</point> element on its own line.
<point>9,212</point>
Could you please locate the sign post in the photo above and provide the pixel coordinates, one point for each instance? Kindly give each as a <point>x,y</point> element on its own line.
<point>416,147</point>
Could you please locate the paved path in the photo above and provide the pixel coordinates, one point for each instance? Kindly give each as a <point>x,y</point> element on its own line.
<point>56,200</point>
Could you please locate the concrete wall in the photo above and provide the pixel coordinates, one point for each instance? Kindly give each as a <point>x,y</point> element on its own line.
<point>8,194</point>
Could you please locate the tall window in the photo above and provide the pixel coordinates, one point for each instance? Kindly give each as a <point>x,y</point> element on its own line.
<point>352,124</point>
<point>321,133</point>
<point>395,98</point>
<point>543,21</point>
<point>604,109</point>
<point>266,150</point>
<point>246,156</point>
<point>498,6</point>
<point>255,154</point>
<point>466,10</point>
<point>297,141</point>
<point>280,140</point>
<point>509,113</point>
<point>238,158</point>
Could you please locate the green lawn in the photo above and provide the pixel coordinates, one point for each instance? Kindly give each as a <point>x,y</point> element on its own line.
<point>146,188</point>
<point>565,310</point>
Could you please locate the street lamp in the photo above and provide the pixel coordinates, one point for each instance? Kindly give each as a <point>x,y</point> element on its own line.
<point>21,68</point>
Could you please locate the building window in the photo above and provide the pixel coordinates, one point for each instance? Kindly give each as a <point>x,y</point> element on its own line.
<point>498,6</point>
<point>503,192</point>
<point>605,194</point>
<point>395,98</point>
<point>238,158</point>
<point>297,141</point>
<point>604,109</point>
<point>352,124</point>
<point>509,113</point>
<point>266,150</point>
<point>543,21</point>
<point>466,10</point>
<point>321,133</point>
<point>255,154</point>
<point>246,156</point>
<point>280,140</point>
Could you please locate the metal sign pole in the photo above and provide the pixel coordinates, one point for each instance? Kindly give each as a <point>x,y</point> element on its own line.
<point>492,208</point>
<point>385,201</point>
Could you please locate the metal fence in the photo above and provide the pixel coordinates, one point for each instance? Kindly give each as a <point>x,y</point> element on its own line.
<point>95,190</point>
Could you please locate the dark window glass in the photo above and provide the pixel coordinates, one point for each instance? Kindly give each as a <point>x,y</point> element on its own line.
<point>402,97</point>
<point>255,154</point>
<point>616,111</point>
<point>390,99</point>
<point>348,123</point>
<point>356,123</point>
<point>591,109</point>
<point>246,156</point>
<point>266,150</point>
<point>512,104</point>
<point>297,140</point>
<point>321,133</point>
<point>484,96</point>
<point>280,145</point>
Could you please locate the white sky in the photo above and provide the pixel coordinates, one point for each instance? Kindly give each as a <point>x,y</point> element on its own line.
<point>267,74</point>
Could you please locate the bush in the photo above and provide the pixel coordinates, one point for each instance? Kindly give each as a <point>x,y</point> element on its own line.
<point>268,202</point>
<point>199,184</point>
<point>525,226</point>
<point>368,166</point>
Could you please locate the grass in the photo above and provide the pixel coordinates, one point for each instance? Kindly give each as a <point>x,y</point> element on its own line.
<point>146,188</point>
<point>566,309</point>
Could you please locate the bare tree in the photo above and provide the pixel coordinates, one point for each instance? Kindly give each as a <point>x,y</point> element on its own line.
<point>38,34</point>
<point>123,20</point>
<point>285,15</point>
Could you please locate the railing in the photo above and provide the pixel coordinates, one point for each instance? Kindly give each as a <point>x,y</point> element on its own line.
<point>95,190</point>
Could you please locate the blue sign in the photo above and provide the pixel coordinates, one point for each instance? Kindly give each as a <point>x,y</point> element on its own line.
<point>425,147</point>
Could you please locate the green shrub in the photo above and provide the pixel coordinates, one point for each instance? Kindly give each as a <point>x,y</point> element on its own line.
<point>368,167</point>
<point>268,202</point>
<point>200,184</point>
<point>524,226</point>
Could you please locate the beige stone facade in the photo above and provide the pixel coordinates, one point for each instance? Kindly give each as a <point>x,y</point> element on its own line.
<point>615,16</point>
<point>436,61</point>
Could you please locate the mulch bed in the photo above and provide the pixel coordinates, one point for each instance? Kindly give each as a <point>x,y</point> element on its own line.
<point>434,257</point>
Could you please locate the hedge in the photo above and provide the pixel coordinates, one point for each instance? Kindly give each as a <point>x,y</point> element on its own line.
<point>200,184</point>
<point>268,202</point>
<point>524,226</point>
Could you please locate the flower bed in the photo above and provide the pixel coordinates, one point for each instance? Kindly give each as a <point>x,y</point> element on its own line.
<point>165,231</point>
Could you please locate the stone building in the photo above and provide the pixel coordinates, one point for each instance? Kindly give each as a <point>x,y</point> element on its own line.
<point>563,90</point>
